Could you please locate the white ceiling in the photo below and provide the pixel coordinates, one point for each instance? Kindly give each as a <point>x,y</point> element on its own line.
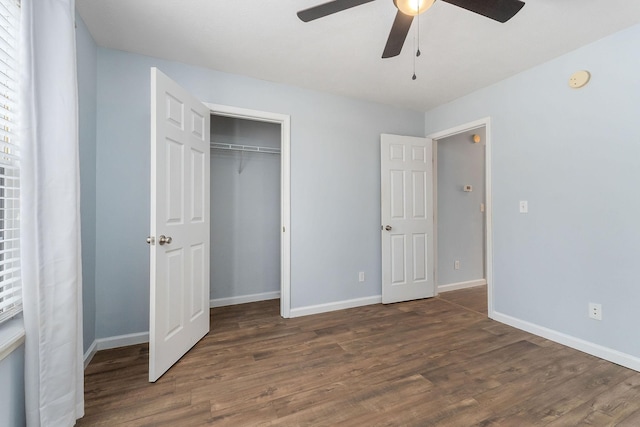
<point>461,51</point>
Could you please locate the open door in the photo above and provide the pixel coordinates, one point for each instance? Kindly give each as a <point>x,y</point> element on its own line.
<point>179,239</point>
<point>407,218</point>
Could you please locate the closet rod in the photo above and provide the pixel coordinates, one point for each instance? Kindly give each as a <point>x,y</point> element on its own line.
<point>250,148</point>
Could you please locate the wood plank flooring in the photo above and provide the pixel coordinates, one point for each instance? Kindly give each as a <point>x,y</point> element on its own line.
<point>435,362</point>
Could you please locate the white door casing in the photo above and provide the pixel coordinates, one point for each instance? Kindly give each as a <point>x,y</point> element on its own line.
<point>407,218</point>
<point>180,194</point>
<point>285,189</point>
<point>488,242</point>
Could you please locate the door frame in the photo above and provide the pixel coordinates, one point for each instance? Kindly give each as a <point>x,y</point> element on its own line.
<point>285,189</point>
<point>488,229</point>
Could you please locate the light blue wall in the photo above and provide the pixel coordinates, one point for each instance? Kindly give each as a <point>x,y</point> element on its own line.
<point>245,210</point>
<point>460,221</point>
<point>335,190</point>
<point>12,413</point>
<point>87,55</point>
<point>573,154</point>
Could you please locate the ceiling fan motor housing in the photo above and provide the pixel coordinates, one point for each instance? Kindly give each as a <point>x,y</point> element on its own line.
<point>413,7</point>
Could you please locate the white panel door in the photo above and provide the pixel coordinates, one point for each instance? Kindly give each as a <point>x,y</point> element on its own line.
<point>407,218</point>
<point>179,240</point>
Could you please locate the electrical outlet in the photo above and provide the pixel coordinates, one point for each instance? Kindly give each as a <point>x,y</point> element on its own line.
<point>361,276</point>
<point>456,265</point>
<point>595,311</point>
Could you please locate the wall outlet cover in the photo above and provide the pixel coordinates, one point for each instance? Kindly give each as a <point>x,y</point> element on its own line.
<point>595,311</point>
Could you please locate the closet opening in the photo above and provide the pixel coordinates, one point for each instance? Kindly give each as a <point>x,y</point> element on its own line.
<point>248,211</point>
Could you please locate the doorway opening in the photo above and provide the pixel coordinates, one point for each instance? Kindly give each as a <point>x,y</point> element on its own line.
<point>462,208</point>
<point>250,207</point>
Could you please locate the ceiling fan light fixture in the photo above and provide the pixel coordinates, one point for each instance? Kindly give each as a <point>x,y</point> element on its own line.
<point>413,7</point>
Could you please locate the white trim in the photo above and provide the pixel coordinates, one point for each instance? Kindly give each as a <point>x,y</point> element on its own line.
<point>461,285</point>
<point>434,154</point>
<point>91,351</point>
<point>334,306</point>
<point>615,356</point>
<point>285,195</point>
<point>245,113</point>
<point>121,341</point>
<point>489,215</point>
<point>11,336</point>
<point>460,128</point>
<point>285,190</point>
<point>243,299</point>
<point>486,123</point>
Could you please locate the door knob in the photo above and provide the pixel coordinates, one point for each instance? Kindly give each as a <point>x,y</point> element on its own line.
<point>388,228</point>
<point>151,240</point>
<point>164,239</point>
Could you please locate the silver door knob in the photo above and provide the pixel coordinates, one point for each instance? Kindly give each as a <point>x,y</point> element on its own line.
<point>151,240</point>
<point>164,239</point>
<point>388,228</point>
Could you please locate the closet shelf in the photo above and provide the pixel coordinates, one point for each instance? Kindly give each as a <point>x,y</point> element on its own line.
<point>250,148</point>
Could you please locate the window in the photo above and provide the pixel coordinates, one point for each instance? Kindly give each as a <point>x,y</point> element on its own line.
<point>10,280</point>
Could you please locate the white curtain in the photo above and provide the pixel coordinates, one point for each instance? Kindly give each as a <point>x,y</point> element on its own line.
<point>50,214</point>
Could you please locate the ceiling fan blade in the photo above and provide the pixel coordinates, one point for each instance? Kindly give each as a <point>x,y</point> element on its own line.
<point>398,34</point>
<point>498,10</point>
<point>329,8</point>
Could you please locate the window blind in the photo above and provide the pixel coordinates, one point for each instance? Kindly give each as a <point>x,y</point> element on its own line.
<point>10,278</point>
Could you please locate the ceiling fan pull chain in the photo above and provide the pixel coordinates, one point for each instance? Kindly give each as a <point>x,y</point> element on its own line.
<point>418,31</point>
<point>414,58</point>
<point>414,64</point>
<point>416,43</point>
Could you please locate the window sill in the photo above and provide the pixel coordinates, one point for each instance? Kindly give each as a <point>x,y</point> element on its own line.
<point>11,336</point>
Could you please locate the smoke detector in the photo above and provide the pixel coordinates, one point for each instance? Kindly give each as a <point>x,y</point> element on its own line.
<point>579,79</point>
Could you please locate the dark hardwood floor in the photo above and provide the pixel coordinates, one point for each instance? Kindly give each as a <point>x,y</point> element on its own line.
<point>474,299</point>
<point>435,362</point>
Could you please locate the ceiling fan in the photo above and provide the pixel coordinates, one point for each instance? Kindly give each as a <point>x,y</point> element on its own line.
<point>498,10</point>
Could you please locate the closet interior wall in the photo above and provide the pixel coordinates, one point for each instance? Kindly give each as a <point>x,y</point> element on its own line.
<point>245,209</point>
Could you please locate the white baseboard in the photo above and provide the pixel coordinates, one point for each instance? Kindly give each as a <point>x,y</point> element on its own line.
<point>333,306</point>
<point>461,285</point>
<point>88,355</point>
<point>114,342</point>
<point>122,341</point>
<point>243,299</point>
<point>615,356</point>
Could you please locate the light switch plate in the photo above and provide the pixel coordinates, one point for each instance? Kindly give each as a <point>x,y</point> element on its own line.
<point>524,206</point>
